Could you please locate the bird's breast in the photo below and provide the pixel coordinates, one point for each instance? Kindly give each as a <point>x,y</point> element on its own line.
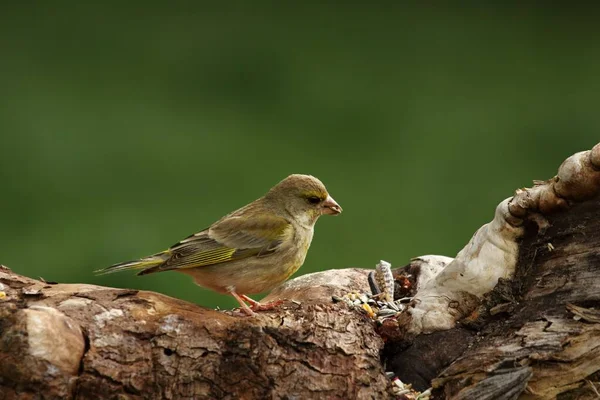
<point>289,260</point>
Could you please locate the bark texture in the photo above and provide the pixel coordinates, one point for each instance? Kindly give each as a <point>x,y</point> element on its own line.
<point>87,342</point>
<point>536,335</point>
<point>543,339</point>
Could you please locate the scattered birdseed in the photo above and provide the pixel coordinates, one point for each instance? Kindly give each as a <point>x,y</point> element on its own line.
<point>426,395</point>
<point>406,390</point>
<point>379,305</point>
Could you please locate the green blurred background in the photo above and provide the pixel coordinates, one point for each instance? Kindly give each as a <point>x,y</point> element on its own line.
<point>126,127</point>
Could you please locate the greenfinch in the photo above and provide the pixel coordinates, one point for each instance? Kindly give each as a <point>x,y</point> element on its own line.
<point>250,250</point>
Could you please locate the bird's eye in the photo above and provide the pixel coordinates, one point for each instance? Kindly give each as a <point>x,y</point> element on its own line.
<point>313,200</point>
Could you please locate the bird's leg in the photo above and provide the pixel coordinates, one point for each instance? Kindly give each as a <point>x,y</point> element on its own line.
<point>254,305</point>
<point>240,300</point>
<point>257,306</point>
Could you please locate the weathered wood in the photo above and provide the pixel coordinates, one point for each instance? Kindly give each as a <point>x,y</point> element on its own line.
<point>536,335</point>
<point>87,342</point>
<point>558,272</point>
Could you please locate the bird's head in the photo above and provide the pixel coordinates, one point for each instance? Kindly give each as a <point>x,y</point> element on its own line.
<point>304,197</point>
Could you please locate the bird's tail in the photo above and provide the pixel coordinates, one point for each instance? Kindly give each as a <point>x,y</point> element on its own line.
<point>142,264</point>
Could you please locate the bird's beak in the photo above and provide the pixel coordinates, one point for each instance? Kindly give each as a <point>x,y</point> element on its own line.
<point>331,207</point>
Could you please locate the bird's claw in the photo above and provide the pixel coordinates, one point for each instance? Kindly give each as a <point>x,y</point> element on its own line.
<point>257,306</point>
<point>254,305</point>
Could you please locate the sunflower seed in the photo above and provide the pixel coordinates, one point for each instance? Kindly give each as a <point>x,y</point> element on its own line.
<point>386,313</point>
<point>424,395</point>
<point>373,283</point>
<point>385,280</point>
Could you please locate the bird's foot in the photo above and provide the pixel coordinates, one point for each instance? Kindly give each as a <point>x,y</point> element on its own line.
<point>254,305</point>
<point>258,306</point>
<point>244,307</point>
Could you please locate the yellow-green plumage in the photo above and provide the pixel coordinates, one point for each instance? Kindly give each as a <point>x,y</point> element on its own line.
<point>252,249</point>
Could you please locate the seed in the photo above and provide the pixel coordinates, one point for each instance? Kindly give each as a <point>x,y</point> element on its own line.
<point>373,283</point>
<point>31,291</point>
<point>385,280</point>
<point>369,310</point>
<point>386,313</point>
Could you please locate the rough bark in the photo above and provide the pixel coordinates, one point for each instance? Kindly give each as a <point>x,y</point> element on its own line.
<point>536,335</point>
<point>88,342</point>
<point>543,339</point>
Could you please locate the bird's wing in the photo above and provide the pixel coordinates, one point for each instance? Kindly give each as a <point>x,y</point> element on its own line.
<point>230,239</point>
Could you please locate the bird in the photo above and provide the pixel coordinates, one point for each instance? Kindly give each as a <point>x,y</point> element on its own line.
<point>250,250</point>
